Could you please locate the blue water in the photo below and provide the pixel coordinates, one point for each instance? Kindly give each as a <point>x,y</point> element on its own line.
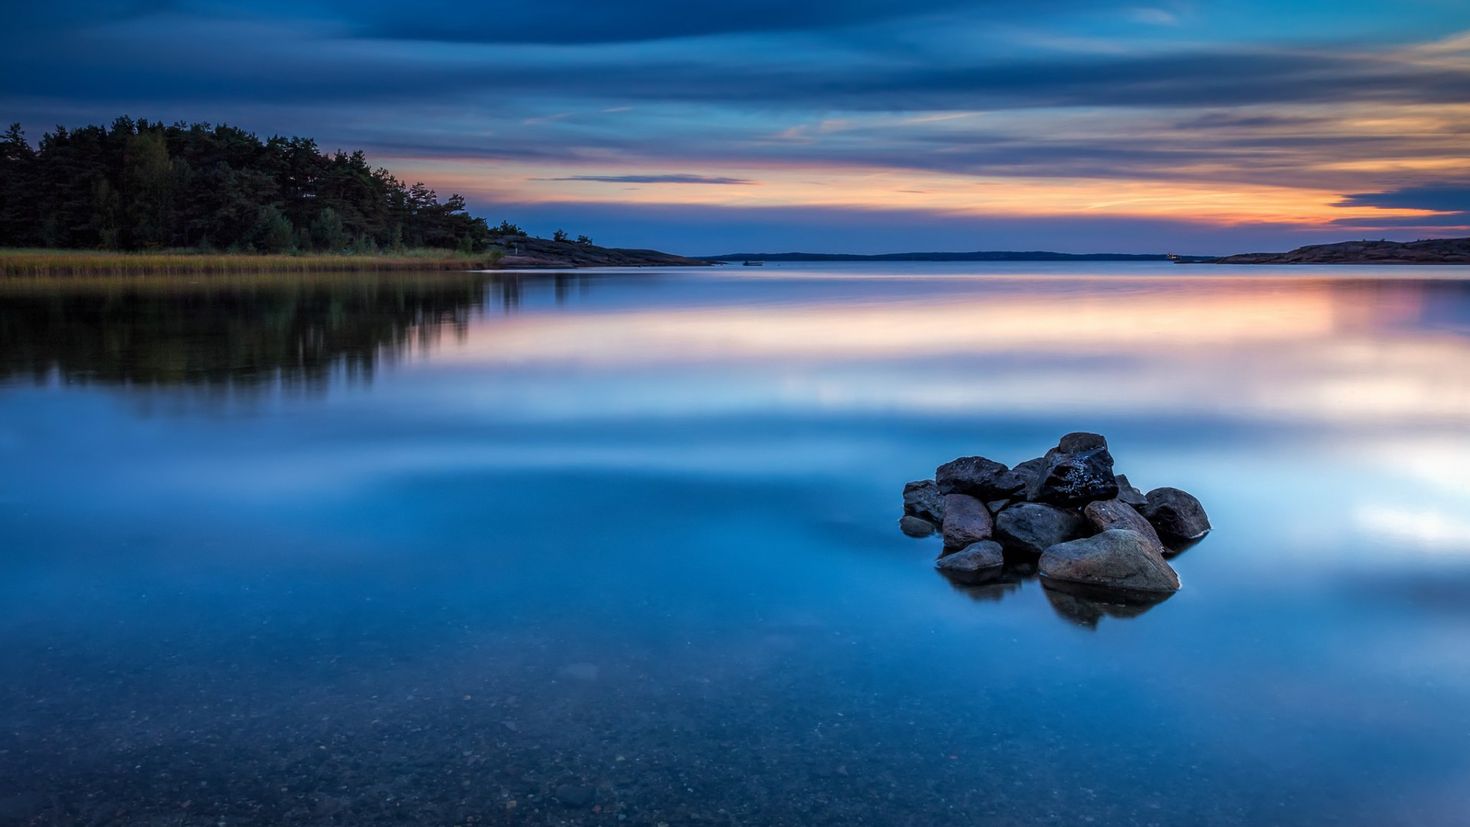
<point>621,548</point>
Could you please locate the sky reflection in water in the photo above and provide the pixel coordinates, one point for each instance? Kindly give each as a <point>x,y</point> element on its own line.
<point>423,548</point>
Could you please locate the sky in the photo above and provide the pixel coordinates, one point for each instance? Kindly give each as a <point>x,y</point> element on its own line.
<point>862,126</point>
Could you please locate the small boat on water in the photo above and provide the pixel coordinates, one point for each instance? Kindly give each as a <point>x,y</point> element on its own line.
<point>753,263</point>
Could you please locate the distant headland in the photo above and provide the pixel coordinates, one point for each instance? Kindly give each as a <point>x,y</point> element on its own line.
<point>1425,251</point>
<point>142,196</point>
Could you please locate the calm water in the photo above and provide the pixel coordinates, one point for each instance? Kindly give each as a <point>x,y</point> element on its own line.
<point>622,548</point>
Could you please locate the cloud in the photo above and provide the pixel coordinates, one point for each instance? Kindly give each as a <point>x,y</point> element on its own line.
<point>678,178</point>
<point>1451,197</point>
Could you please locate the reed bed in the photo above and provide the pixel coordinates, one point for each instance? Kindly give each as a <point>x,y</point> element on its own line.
<point>47,263</point>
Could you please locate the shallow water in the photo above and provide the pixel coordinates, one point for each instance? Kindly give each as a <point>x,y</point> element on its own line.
<point>621,548</point>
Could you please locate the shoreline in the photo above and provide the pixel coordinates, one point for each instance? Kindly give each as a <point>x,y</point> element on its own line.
<point>41,263</point>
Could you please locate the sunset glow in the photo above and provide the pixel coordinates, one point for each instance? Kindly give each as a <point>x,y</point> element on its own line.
<point>1175,126</point>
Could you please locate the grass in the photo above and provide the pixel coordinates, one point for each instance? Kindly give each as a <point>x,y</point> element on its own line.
<point>43,263</point>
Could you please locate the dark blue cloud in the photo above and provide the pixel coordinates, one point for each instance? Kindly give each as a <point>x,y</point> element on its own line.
<point>1449,197</point>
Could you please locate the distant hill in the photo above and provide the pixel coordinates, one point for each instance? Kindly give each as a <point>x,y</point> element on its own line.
<point>1428,251</point>
<point>541,252</point>
<point>982,255</point>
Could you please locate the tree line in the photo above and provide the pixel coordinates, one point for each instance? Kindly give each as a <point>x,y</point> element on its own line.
<point>140,185</point>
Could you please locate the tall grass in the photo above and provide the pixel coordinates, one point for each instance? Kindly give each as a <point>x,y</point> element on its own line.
<point>42,263</point>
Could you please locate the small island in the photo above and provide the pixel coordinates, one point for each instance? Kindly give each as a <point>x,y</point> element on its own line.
<point>1065,516</point>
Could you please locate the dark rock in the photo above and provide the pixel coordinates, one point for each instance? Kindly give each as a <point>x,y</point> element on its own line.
<point>922,499</point>
<point>1028,471</point>
<point>1127,493</point>
<point>1177,515</point>
<point>1077,471</point>
<point>974,564</point>
<point>918,527</point>
<point>995,506</point>
<point>965,521</point>
<point>1080,441</point>
<point>978,477</point>
<point>1115,559</point>
<point>1109,514</point>
<point>1031,528</point>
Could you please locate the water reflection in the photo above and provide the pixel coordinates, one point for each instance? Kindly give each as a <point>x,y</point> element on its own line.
<point>619,548</point>
<point>1074,603</point>
<point>1086,607</point>
<point>245,331</point>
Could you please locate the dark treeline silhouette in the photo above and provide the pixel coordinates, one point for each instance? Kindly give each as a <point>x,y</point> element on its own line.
<point>140,185</point>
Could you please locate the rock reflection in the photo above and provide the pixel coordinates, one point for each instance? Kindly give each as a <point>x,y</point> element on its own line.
<point>1078,605</point>
<point>993,591</point>
<point>245,332</point>
<point>1087,607</point>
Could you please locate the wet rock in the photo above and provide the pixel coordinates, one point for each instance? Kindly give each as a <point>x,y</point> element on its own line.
<point>965,521</point>
<point>1031,528</point>
<point>1077,471</point>
<point>916,527</point>
<point>1176,515</point>
<point>1108,514</point>
<point>978,477</point>
<point>1127,493</point>
<point>922,499</point>
<point>974,564</point>
<point>995,506</point>
<point>1115,559</point>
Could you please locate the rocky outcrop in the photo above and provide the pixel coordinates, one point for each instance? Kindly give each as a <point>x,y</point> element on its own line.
<point>1426,251</point>
<point>966,521</point>
<point>974,564</point>
<point>1066,517</point>
<point>1115,559</point>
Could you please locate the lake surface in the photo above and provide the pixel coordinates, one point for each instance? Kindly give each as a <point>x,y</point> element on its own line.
<point>621,548</point>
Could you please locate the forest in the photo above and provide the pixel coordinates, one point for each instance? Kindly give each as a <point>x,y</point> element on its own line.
<point>140,185</point>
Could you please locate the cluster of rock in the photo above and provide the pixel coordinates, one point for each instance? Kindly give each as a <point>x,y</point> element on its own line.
<point>1066,512</point>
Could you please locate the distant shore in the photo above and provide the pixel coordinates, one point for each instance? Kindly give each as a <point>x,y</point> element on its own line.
<point>1423,252</point>
<point>524,253</point>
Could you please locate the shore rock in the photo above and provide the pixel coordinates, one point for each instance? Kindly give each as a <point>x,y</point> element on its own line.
<point>978,477</point>
<point>922,499</point>
<point>1176,515</point>
<point>974,564</point>
<point>1028,471</point>
<point>1077,471</point>
<point>965,521</point>
<point>916,526</point>
<point>1109,514</point>
<point>1127,493</point>
<point>1114,559</point>
<point>1031,528</point>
